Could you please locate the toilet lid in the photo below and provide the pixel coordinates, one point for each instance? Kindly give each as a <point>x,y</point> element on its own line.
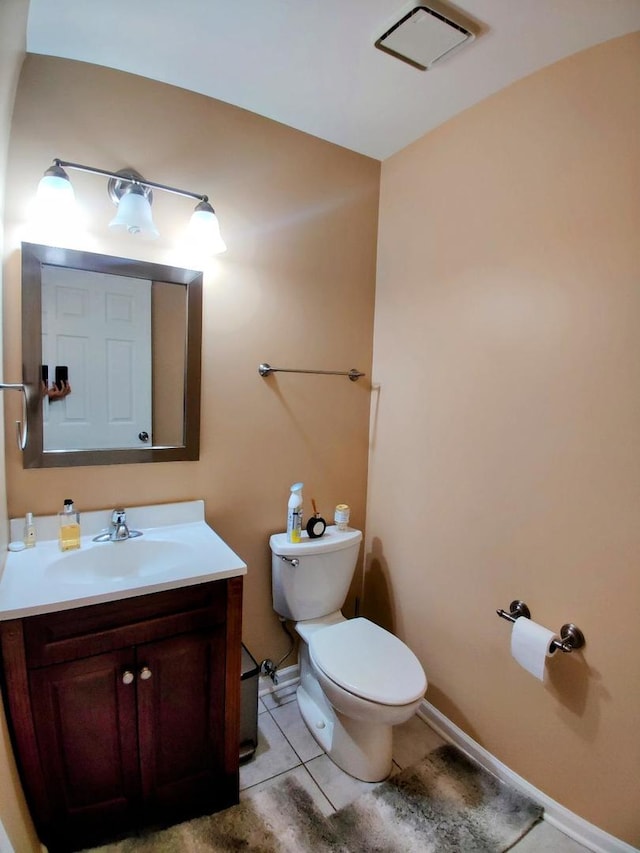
<point>369,662</point>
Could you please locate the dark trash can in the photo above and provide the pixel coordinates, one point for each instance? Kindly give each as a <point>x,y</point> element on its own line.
<point>248,706</point>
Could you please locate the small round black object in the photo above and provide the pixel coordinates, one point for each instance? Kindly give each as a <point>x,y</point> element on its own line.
<point>316,526</point>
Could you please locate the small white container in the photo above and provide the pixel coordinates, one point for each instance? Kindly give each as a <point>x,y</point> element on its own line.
<point>341,516</point>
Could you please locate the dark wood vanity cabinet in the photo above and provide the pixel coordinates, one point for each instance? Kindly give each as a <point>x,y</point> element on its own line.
<point>126,714</point>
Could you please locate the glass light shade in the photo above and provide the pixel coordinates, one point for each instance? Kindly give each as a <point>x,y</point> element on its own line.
<point>204,229</point>
<point>55,195</point>
<point>134,214</point>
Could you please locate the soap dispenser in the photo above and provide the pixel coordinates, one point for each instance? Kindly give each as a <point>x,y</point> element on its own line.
<point>69,532</point>
<point>29,534</point>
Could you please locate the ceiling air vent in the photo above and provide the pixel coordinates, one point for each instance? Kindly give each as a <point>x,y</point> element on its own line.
<point>423,36</point>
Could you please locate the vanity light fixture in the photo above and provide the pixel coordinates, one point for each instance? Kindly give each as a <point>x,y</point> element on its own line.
<point>133,196</point>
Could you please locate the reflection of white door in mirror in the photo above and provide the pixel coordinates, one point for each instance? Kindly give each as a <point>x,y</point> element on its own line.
<point>99,326</point>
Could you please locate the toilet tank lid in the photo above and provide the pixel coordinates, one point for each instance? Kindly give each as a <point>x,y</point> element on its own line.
<point>333,540</point>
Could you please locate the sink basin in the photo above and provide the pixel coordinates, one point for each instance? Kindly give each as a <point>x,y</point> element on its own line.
<point>116,561</point>
<point>177,549</point>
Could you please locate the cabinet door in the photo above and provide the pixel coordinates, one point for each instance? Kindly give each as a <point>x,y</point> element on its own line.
<point>181,725</point>
<point>85,722</point>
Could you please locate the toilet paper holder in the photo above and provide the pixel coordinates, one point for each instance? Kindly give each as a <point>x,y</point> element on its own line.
<point>572,637</point>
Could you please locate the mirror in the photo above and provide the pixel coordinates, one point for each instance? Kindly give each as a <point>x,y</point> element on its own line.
<point>111,359</point>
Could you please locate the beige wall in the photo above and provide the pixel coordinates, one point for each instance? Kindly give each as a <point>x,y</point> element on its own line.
<point>296,288</point>
<point>13,21</point>
<point>506,430</point>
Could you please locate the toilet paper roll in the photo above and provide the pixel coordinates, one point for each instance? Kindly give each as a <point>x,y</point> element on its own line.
<point>531,646</point>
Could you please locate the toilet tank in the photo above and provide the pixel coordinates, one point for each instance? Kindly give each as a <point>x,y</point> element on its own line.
<point>320,581</point>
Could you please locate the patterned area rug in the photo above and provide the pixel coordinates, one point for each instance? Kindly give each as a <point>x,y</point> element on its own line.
<point>443,804</point>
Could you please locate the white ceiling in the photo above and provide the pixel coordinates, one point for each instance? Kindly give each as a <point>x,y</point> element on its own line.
<point>311,64</point>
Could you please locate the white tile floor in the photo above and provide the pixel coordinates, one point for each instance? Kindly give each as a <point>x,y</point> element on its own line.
<point>286,749</point>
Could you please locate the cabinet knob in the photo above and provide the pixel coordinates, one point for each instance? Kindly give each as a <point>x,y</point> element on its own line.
<point>145,673</point>
<point>127,677</point>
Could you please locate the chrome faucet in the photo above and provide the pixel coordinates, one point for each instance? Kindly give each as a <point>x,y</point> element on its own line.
<point>118,530</point>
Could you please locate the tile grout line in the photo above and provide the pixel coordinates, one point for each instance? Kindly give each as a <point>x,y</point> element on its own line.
<point>302,760</point>
<point>284,734</point>
<point>301,763</point>
<point>320,788</point>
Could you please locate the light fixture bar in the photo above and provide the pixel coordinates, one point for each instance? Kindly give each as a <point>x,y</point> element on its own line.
<point>133,195</point>
<point>93,170</point>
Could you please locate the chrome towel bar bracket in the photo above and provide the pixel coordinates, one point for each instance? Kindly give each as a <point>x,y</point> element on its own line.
<point>571,636</point>
<point>267,370</point>
<point>516,609</point>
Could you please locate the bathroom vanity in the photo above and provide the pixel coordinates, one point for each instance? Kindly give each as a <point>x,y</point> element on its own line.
<point>124,705</point>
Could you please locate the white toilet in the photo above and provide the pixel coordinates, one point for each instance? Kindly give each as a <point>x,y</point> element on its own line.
<point>356,679</point>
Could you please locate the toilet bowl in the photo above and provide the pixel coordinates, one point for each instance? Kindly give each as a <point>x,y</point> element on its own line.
<point>356,680</point>
<point>366,672</point>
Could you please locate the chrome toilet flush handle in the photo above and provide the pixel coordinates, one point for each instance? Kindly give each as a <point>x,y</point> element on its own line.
<point>293,560</point>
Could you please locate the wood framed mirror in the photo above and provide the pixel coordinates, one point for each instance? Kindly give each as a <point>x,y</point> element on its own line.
<point>126,336</point>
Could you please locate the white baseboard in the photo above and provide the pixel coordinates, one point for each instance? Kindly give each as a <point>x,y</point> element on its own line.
<point>288,679</point>
<point>570,824</point>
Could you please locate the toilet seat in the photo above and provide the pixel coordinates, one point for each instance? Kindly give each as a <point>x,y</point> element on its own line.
<point>369,662</point>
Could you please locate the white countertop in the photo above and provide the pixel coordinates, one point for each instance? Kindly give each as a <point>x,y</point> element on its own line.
<point>43,579</point>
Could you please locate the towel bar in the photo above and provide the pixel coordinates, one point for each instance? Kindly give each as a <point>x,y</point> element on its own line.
<point>353,374</point>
